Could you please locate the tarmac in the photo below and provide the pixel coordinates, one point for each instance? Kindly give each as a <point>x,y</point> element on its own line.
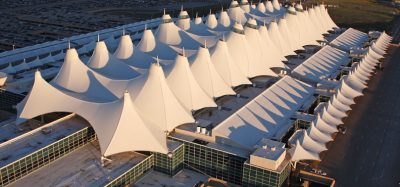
<point>368,154</point>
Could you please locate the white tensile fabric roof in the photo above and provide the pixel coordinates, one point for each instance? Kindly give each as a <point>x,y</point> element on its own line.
<point>245,54</point>
<point>154,48</point>
<point>113,129</point>
<point>349,38</point>
<point>287,36</point>
<point>107,64</point>
<point>85,81</point>
<point>266,114</point>
<point>185,87</point>
<point>157,102</point>
<point>211,21</point>
<point>350,87</point>
<point>323,63</point>
<point>128,53</point>
<point>277,39</point>
<point>311,144</point>
<point>258,59</point>
<point>171,34</point>
<point>323,126</point>
<point>317,134</point>
<point>236,13</point>
<point>300,153</point>
<point>145,104</point>
<point>207,76</point>
<point>226,67</point>
<point>183,21</point>
<point>275,57</point>
<point>244,4</point>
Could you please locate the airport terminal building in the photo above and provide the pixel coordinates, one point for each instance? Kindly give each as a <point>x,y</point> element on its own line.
<point>241,95</point>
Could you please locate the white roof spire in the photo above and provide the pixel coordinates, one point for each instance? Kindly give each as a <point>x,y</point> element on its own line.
<point>183,51</point>
<point>145,26</point>
<point>164,11</point>
<point>205,43</point>
<point>123,30</point>
<point>69,43</point>
<point>98,37</point>
<point>158,61</point>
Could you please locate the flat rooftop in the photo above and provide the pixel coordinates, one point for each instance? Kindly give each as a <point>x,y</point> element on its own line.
<point>81,167</point>
<point>15,150</point>
<point>265,149</point>
<point>222,147</point>
<point>9,130</point>
<point>184,178</point>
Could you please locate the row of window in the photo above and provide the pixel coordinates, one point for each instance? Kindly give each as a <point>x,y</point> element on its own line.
<point>44,156</point>
<point>134,173</point>
<point>215,163</point>
<point>253,176</point>
<point>171,165</point>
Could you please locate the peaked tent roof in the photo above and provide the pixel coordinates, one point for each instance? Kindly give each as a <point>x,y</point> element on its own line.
<point>323,126</point>
<point>157,103</point>
<point>185,87</point>
<point>236,13</point>
<point>287,37</point>
<point>75,76</point>
<point>103,62</point>
<point>114,130</point>
<point>310,144</point>
<point>183,21</point>
<point>244,4</point>
<point>248,60</point>
<point>277,38</point>
<point>149,45</point>
<point>211,21</point>
<point>300,153</point>
<point>318,135</point>
<point>258,58</point>
<point>132,56</point>
<point>275,56</point>
<point>226,67</point>
<point>170,34</point>
<point>207,76</point>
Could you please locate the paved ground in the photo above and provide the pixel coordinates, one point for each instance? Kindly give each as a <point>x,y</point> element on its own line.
<point>368,155</point>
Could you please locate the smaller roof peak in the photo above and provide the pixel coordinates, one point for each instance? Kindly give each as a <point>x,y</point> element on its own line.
<point>183,51</point>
